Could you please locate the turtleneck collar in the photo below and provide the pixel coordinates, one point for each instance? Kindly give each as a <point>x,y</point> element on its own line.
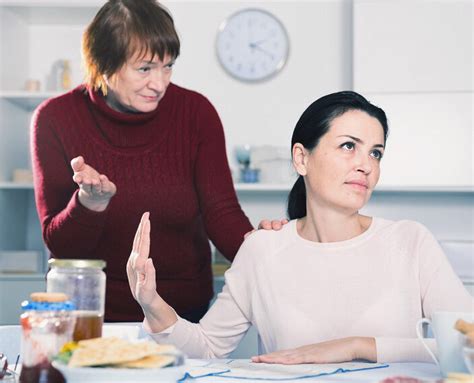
<point>100,104</point>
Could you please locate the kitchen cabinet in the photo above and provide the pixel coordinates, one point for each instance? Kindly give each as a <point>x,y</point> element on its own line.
<point>415,60</point>
<point>412,46</point>
<point>13,290</point>
<point>34,36</point>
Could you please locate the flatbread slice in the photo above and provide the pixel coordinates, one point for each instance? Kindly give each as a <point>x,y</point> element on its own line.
<point>152,361</point>
<point>111,351</point>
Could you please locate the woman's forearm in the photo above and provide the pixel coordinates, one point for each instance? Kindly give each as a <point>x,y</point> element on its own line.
<point>159,315</point>
<point>365,348</point>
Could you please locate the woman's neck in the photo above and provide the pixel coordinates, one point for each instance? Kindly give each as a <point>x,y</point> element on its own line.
<point>332,226</point>
<point>113,102</point>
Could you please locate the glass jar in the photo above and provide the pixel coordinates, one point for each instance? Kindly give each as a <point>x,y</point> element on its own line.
<point>84,282</point>
<point>47,324</point>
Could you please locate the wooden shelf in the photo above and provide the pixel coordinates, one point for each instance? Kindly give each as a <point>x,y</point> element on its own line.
<point>27,100</point>
<point>16,186</point>
<point>263,188</point>
<point>22,276</point>
<point>260,187</point>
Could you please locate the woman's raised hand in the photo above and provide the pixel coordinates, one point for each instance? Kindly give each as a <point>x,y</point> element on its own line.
<point>95,189</point>
<point>142,280</point>
<point>140,270</point>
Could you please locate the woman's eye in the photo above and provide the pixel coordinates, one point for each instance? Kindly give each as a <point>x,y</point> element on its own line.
<point>144,69</point>
<point>348,145</point>
<point>377,154</point>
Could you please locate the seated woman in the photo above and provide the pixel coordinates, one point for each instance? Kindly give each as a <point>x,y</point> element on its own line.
<point>333,285</point>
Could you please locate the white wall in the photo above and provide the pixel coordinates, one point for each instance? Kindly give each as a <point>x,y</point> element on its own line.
<point>266,113</point>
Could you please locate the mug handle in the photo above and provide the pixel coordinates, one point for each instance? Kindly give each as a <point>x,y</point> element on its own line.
<point>419,334</point>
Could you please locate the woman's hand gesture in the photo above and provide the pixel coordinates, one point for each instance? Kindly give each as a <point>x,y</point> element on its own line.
<point>95,189</point>
<point>140,271</point>
<point>333,351</point>
<point>142,280</point>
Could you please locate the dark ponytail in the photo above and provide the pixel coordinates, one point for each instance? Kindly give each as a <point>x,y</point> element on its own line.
<point>297,200</point>
<point>314,123</point>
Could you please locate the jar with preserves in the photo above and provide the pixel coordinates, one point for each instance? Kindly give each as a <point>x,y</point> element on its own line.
<point>83,280</point>
<point>47,324</point>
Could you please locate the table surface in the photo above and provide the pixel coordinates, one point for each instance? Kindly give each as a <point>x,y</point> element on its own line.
<point>424,371</point>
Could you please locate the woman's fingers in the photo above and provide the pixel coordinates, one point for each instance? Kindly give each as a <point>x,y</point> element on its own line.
<point>96,187</point>
<point>265,224</point>
<point>141,244</point>
<point>77,163</point>
<point>144,240</point>
<point>275,224</point>
<point>291,356</point>
<point>107,186</point>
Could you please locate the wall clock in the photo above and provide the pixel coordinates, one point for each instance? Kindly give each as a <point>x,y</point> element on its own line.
<point>252,45</point>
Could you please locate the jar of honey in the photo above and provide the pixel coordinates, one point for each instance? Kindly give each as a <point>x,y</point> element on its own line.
<point>83,280</point>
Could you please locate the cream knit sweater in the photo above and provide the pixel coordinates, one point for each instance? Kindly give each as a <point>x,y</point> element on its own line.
<point>297,292</point>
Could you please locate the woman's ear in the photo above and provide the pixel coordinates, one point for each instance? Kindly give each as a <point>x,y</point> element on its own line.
<point>300,156</point>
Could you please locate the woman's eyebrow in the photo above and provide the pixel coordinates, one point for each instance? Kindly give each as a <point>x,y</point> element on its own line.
<point>356,139</point>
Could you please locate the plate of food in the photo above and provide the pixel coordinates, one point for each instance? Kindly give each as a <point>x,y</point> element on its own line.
<point>114,359</point>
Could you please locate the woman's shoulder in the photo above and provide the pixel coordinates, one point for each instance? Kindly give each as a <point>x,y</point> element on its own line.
<point>269,241</point>
<point>405,230</point>
<point>188,97</point>
<point>259,248</point>
<point>61,104</point>
<point>399,225</point>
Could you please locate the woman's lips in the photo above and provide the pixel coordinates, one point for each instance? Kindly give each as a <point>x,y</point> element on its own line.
<point>151,98</point>
<point>359,185</point>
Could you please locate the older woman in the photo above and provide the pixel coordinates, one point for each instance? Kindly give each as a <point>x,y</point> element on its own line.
<point>333,285</point>
<point>129,140</point>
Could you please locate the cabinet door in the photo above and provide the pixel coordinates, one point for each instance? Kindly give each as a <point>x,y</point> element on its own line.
<point>413,46</point>
<point>414,59</point>
<point>15,290</point>
<point>430,139</point>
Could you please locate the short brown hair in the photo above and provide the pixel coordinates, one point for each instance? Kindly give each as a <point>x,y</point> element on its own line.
<point>121,29</point>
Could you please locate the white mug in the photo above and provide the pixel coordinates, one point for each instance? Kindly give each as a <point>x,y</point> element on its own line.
<point>448,339</point>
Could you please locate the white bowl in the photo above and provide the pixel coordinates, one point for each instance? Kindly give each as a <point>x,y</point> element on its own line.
<point>107,374</point>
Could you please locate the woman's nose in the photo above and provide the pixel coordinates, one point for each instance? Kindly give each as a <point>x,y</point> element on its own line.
<point>157,81</point>
<point>363,164</point>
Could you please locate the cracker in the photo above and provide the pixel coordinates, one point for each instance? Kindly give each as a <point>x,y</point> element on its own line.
<point>111,351</point>
<point>152,361</point>
<point>48,297</point>
<point>463,326</point>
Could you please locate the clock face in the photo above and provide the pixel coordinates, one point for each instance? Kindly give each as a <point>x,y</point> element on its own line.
<point>252,45</point>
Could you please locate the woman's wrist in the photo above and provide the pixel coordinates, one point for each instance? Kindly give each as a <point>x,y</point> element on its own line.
<point>159,315</point>
<point>365,348</point>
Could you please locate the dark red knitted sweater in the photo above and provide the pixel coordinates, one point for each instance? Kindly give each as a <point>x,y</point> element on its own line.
<point>170,162</point>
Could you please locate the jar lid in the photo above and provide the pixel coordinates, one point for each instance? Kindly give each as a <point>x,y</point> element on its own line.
<point>48,306</point>
<point>77,263</point>
<point>48,302</point>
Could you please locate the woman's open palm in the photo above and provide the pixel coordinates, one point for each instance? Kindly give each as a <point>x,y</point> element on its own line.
<point>140,269</point>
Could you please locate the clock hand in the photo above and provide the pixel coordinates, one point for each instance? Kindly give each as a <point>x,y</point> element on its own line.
<point>260,49</point>
<point>256,43</point>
